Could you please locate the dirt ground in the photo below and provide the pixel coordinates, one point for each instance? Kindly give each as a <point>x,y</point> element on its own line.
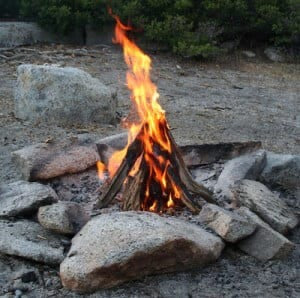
<point>234,100</point>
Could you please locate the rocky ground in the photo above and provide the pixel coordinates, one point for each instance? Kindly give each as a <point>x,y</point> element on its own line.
<point>236,100</point>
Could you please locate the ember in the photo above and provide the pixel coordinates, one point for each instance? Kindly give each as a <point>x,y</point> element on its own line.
<point>150,168</point>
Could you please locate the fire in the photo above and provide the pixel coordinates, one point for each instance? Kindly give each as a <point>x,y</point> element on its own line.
<point>101,169</point>
<point>153,122</point>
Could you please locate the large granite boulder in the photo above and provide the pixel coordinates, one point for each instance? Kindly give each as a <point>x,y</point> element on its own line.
<point>22,33</point>
<point>64,96</point>
<point>122,246</point>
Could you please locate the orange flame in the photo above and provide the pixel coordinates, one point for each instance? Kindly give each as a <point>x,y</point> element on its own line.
<point>152,118</point>
<point>101,167</point>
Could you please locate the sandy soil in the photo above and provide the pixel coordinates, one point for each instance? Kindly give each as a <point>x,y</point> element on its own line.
<point>236,100</point>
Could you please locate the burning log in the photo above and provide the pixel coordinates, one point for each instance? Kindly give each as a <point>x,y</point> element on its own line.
<point>150,170</point>
<point>134,181</point>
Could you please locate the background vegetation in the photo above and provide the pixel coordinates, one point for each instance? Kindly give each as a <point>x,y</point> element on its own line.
<point>187,27</point>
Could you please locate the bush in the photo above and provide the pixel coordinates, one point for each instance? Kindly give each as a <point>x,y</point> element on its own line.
<point>187,27</point>
<point>63,16</point>
<point>196,27</point>
<point>9,9</point>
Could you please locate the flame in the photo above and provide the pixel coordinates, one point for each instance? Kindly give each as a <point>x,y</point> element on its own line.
<point>170,202</point>
<point>101,167</point>
<point>152,120</point>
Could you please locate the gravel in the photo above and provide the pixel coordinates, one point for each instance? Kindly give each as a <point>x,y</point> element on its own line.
<point>235,100</point>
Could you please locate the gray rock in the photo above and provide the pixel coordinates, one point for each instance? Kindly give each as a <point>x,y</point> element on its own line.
<point>22,33</point>
<point>203,154</point>
<point>274,54</point>
<point>48,160</point>
<point>282,170</point>
<point>21,197</point>
<point>29,240</point>
<point>118,141</point>
<point>231,226</point>
<point>122,246</point>
<point>265,243</point>
<point>107,146</point>
<point>63,217</point>
<point>244,167</point>
<point>64,96</point>
<point>259,199</point>
<point>248,54</point>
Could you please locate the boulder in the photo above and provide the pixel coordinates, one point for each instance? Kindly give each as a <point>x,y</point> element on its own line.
<point>63,217</point>
<point>29,240</point>
<point>231,226</point>
<point>259,199</point>
<point>248,54</point>
<point>274,54</point>
<point>21,198</point>
<point>48,160</point>
<point>22,33</point>
<point>282,170</point>
<point>122,246</point>
<point>265,243</point>
<point>247,166</point>
<point>63,96</point>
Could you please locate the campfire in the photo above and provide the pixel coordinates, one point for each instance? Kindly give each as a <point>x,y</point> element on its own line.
<point>149,171</point>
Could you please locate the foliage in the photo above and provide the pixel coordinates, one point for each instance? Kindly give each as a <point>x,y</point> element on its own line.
<point>9,8</point>
<point>187,27</point>
<point>63,16</point>
<point>196,27</point>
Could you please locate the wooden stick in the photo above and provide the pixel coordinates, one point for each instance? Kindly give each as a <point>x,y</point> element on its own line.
<point>133,189</point>
<point>133,152</point>
<point>185,175</point>
<point>185,196</point>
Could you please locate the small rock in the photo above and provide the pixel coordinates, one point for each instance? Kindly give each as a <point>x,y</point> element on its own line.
<point>21,197</point>
<point>19,285</point>
<point>249,54</point>
<point>244,167</point>
<point>282,170</point>
<point>29,240</point>
<point>265,243</point>
<point>231,226</point>
<point>63,217</point>
<point>118,141</point>
<point>259,199</point>
<point>65,96</point>
<point>48,160</point>
<point>274,54</point>
<point>122,246</point>
<point>18,294</point>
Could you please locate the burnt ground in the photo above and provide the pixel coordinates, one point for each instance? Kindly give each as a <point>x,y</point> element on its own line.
<point>229,100</point>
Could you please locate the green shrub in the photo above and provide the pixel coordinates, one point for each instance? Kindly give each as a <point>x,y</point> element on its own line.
<point>63,16</point>
<point>187,27</point>
<point>9,8</point>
